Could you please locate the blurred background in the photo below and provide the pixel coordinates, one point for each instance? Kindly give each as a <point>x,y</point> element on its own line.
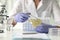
<point>7,6</point>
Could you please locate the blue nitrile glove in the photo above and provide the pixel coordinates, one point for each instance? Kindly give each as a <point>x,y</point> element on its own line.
<point>21,17</point>
<point>44,28</point>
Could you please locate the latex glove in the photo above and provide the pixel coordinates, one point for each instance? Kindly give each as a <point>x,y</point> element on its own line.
<point>21,17</point>
<point>44,28</point>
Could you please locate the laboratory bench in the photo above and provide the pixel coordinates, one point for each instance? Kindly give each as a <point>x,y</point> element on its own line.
<point>23,38</point>
<point>30,39</point>
<point>33,37</point>
<point>38,36</point>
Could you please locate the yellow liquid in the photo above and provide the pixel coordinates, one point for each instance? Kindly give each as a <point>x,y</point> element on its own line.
<point>35,22</point>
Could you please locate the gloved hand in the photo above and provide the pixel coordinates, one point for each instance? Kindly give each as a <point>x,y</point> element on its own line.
<point>44,28</point>
<point>21,17</point>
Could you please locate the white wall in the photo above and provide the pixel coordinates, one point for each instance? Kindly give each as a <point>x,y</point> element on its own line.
<point>2,1</point>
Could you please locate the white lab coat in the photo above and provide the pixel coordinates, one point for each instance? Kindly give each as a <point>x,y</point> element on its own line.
<point>45,9</point>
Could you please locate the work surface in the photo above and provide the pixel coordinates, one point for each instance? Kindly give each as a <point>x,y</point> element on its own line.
<point>16,35</point>
<point>39,36</point>
<point>24,37</point>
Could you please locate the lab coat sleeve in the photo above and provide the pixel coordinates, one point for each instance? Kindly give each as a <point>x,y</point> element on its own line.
<point>17,7</point>
<point>56,11</point>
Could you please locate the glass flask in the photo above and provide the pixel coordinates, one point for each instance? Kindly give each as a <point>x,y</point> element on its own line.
<point>35,21</point>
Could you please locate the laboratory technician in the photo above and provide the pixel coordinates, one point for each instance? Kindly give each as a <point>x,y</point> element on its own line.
<point>43,9</point>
